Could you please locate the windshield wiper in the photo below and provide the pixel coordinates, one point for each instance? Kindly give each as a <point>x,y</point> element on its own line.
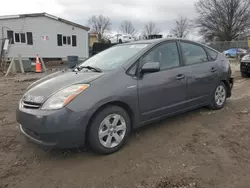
<point>89,67</point>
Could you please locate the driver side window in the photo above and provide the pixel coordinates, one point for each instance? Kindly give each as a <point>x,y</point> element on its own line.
<point>166,54</point>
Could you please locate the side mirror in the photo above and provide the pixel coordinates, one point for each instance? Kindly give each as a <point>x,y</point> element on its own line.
<point>150,67</point>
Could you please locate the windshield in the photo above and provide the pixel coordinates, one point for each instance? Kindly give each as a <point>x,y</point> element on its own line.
<point>113,57</point>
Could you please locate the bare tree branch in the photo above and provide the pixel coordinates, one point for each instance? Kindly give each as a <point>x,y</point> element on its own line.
<point>223,19</point>
<point>182,28</point>
<point>99,24</point>
<point>127,27</point>
<point>150,29</point>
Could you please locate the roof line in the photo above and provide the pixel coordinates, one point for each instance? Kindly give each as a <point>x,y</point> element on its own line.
<point>43,14</point>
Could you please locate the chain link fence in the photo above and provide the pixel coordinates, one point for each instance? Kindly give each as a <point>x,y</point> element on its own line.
<point>225,45</point>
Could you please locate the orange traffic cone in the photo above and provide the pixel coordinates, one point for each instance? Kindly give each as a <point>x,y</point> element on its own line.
<point>38,65</point>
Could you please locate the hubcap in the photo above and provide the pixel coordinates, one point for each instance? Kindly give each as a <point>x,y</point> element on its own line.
<point>112,130</point>
<point>220,95</point>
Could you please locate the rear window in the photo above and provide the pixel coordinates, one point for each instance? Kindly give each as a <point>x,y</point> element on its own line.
<point>213,54</point>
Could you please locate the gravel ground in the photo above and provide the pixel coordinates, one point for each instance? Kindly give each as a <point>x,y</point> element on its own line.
<point>198,149</point>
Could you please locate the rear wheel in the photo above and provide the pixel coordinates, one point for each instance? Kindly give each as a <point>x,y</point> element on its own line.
<point>219,97</point>
<point>120,40</point>
<point>109,130</point>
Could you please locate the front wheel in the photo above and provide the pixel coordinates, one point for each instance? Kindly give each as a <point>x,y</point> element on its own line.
<point>219,97</point>
<point>108,130</point>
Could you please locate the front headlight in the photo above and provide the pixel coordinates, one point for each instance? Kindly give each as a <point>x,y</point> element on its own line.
<point>246,58</point>
<point>63,97</point>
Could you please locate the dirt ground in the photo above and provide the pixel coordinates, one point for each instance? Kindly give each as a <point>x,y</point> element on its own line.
<point>202,148</point>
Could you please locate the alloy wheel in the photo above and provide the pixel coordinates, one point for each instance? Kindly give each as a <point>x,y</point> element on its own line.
<point>112,130</point>
<point>220,95</point>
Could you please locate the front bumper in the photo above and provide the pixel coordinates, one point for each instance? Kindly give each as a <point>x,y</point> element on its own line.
<point>245,66</point>
<point>60,129</point>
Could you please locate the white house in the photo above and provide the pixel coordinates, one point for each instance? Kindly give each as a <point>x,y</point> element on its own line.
<point>45,35</point>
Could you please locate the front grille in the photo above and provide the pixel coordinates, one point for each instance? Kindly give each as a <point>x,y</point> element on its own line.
<point>30,105</point>
<point>245,64</point>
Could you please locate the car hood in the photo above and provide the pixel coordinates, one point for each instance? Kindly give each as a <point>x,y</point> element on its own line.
<point>246,58</point>
<point>40,90</point>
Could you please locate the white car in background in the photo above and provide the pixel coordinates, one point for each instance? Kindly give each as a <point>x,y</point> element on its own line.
<point>121,38</point>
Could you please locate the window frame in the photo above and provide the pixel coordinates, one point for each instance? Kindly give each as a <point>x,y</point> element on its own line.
<point>30,40</point>
<point>217,53</point>
<point>193,43</point>
<point>156,46</point>
<point>138,61</point>
<point>25,38</point>
<point>69,40</point>
<point>136,65</point>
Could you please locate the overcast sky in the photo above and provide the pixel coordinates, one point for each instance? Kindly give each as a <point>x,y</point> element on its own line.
<point>163,12</point>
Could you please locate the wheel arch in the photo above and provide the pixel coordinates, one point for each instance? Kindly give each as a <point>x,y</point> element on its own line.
<point>121,104</point>
<point>227,84</point>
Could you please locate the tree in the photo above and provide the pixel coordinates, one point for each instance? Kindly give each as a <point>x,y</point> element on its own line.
<point>99,24</point>
<point>223,19</point>
<point>127,27</point>
<point>150,29</point>
<point>182,27</point>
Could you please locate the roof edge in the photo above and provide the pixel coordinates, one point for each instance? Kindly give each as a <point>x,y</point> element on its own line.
<point>6,17</point>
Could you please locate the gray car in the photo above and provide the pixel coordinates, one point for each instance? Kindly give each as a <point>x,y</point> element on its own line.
<point>103,99</point>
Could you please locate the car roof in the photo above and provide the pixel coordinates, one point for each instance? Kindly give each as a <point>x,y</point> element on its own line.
<point>157,41</point>
<point>153,42</point>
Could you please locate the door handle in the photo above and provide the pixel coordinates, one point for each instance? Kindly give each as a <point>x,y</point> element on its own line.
<point>180,76</point>
<point>213,69</point>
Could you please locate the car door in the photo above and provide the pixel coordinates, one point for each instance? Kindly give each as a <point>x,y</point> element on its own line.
<point>201,73</point>
<point>164,92</point>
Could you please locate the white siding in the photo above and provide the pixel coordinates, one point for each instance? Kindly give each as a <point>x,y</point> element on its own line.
<point>40,26</point>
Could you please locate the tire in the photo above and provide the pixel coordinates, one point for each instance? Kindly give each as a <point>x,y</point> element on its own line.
<point>227,55</point>
<point>120,41</point>
<point>221,91</point>
<point>108,144</point>
<point>244,75</point>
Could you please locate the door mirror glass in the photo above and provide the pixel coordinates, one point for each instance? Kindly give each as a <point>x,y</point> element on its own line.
<point>150,67</point>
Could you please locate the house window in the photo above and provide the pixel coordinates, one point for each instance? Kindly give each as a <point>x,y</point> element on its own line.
<point>17,37</point>
<point>20,37</point>
<point>65,40</point>
<point>23,37</point>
